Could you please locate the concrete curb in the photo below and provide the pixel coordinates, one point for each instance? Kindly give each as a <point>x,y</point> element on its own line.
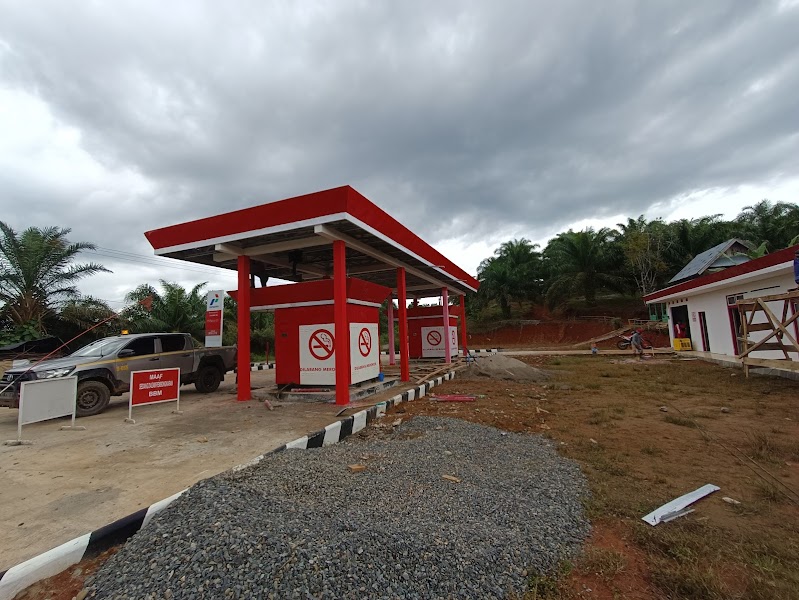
<point>54,561</point>
<point>460,351</point>
<point>261,366</point>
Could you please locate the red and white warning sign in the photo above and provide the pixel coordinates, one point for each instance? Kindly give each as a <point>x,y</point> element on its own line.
<point>317,354</point>
<point>364,351</point>
<point>153,387</point>
<point>433,341</point>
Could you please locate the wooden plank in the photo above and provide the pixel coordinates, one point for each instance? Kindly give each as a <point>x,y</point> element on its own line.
<point>794,295</point>
<point>782,326</point>
<point>760,327</point>
<point>771,346</point>
<point>748,351</point>
<point>603,337</point>
<point>790,365</point>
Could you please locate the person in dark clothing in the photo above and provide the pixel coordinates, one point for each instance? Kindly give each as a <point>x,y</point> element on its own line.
<point>637,343</point>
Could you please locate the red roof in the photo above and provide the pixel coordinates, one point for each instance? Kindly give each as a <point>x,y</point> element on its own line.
<point>770,260</point>
<point>374,240</point>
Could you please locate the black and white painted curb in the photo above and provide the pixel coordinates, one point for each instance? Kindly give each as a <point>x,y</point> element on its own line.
<point>62,557</point>
<point>460,351</point>
<point>261,366</point>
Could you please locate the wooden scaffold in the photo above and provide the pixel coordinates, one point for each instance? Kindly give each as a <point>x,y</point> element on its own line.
<point>778,336</point>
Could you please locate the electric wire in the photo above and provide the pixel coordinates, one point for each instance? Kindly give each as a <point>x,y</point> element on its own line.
<point>154,261</point>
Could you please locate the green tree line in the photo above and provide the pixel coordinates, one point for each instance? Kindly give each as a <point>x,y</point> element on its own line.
<point>39,273</point>
<point>636,258</point>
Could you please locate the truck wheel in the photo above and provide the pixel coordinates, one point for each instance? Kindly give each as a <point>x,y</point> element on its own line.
<point>93,397</point>
<point>208,379</point>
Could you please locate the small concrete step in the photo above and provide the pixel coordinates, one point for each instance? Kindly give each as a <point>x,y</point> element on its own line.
<point>325,393</point>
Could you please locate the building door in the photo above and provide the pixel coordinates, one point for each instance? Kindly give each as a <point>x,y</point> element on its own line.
<point>679,321</point>
<point>703,332</point>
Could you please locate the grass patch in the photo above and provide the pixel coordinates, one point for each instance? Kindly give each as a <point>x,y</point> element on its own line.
<point>598,417</point>
<point>681,421</point>
<point>610,466</point>
<point>603,562</point>
<point>547,587</point>
<point>689,580</point>
<point>769,492</point>
<point>651,451</point>
<point>763,446</point>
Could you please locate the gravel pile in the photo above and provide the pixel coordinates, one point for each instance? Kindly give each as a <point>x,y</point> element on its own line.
<point>301,525</point>
<point>498,366</point>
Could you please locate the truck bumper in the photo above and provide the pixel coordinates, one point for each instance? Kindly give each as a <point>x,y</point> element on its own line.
<point>9,398</point>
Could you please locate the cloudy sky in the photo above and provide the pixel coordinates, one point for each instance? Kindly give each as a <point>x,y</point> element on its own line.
<point>470,121</point>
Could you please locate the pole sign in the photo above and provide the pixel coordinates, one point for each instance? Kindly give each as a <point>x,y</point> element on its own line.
<point>364,352</point>
<point>154,387</point>
<point>214,305</point>
<point>433,341</point>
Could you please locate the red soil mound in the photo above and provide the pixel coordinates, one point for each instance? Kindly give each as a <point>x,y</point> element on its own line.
<point>555,333</point>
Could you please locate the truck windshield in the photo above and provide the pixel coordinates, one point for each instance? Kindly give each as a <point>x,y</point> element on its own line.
<point>102,347</point>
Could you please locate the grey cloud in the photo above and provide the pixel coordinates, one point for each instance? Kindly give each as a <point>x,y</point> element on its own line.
<point>460,118</point>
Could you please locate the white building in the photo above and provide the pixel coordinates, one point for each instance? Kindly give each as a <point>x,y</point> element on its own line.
<point>705,306</point>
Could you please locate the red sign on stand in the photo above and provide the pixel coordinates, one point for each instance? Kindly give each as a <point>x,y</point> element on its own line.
<point>154,387</point>
<point>213,322</point>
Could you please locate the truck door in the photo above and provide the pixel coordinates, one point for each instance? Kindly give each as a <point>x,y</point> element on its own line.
<point>144,358</point>
<point>175,353</point>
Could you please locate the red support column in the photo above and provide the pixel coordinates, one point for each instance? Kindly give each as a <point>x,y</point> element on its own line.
<point>392,359</point>
<point>445,313</point>
<point>405,367</point>
<point>342,333</point>
<point>464,339</point>
<point>243,391</point>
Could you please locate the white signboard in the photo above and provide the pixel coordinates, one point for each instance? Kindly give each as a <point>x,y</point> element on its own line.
<point>214,318</point>
<point>46,399</point>
<point>433,341</point>
<point>317,354</point>
<point>364,351</point>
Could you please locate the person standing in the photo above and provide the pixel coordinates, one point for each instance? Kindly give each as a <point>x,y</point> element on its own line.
<point>637,343</point>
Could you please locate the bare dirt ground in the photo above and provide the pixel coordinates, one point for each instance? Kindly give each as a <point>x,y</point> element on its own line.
<point>71,482</point>
<point>555,334</point>
<point>605,413</point>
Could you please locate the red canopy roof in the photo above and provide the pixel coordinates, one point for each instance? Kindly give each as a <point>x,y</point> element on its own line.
<point>292,239</point>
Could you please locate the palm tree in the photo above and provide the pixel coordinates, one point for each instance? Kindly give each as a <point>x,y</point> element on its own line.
<point>582,264</point>
<point>174,309</point>
<point>496,283</point>
<point>513,273</point>
<point>38,275</point>
<point>774,224</point>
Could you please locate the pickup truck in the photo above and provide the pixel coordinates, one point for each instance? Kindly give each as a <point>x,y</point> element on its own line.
<point>103,367</point>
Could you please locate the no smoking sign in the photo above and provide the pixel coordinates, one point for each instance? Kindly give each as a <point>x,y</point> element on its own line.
<point>364,342</point>
<point>321,344</point>
<point>434,338</point>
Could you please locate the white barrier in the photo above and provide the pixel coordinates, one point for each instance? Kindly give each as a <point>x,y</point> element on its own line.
<point>45,399</point>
